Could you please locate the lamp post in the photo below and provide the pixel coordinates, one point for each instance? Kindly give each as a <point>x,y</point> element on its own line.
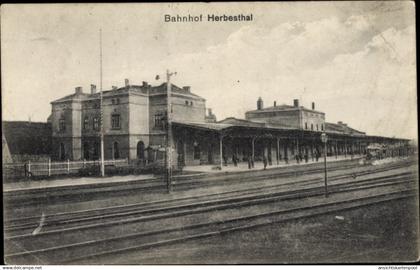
<point>324,140</point>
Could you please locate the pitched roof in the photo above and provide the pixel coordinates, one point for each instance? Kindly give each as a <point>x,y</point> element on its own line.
<point>203,125</point>
<point>282,107</point>
<point>341,128</point>
<point>27,138</point>
<point>175,89</point>
<point>159,89</point>
<point>241,122</point>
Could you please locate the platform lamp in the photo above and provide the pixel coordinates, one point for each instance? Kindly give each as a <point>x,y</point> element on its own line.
<point>169,130</point>
<point>324,140</point>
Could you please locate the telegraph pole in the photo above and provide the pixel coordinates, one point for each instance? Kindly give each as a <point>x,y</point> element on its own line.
<point>324,140</point>
<point>102,110</point>
<point>169,132</point>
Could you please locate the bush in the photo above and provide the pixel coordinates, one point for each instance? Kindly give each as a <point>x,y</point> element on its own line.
<point>90,170</point>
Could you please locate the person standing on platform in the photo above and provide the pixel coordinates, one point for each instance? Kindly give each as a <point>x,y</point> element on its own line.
<point>235,160</point>
<point>265,161</point>
<point>249,162</point>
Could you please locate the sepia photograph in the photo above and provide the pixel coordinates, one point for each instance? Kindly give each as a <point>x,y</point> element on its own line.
<point>209,133</point>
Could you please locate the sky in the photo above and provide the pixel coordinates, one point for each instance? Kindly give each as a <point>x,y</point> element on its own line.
<point>355,60</point>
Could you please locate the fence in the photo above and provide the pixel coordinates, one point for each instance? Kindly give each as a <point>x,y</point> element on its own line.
<point>21,170</point>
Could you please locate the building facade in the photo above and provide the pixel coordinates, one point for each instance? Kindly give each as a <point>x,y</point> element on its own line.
<point>295,116</point>
<point>134,121</point>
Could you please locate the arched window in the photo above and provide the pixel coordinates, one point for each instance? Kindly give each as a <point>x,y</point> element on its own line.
<point>96,147</point>
<point>62,152</point>
<point>86,151</point>
<point>140,150</point>
<point>312,126</point>
<point>116,151</point>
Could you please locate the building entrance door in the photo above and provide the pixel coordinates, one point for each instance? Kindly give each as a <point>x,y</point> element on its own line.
<point>210,153</point>
<point>181,154</point>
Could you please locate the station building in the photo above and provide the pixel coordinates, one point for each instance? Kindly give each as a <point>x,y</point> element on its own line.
<point>134,128</point>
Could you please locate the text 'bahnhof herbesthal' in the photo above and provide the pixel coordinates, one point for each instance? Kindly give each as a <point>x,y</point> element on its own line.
<point>134,125</point>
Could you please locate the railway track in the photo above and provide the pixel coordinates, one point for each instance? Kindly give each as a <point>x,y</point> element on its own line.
<point>49,198</point>
<point>71,194</point>
<point>16,226</point>
<point>35,249</point>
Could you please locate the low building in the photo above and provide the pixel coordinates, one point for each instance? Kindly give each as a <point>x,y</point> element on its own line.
<point>294,116</point>
<point>23,141</point>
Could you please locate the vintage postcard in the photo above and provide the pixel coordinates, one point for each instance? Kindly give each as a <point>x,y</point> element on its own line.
<point>209,133</point>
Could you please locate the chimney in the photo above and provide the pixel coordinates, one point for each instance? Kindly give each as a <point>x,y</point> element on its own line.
<point>145,84</point>
<point>210,112</point>
<point>92,89</point>
<point>260,104</point>
<point>313,105</point>
<point>127,82</point>
<point>296,102</point>
<point>114,87</point>
<point>275,103</point>
<point>339,122</point>
<point>186,88</point>
<point>79,90</point>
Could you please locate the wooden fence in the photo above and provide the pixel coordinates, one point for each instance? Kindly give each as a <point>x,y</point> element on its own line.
<point>21,170</point>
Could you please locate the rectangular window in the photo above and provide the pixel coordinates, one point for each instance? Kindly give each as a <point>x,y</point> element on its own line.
<point>86,123</point>
<point>160,120</point>
<point>96,123</point>
<point>115,121</point>
<point>62,125</point>
<point>306,125</point>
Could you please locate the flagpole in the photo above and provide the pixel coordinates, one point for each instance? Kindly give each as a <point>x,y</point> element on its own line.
<point>102,111</point>
<point>169,131</point>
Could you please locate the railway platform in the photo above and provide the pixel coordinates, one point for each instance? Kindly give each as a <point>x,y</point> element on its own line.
<point>243,166</point>
<point>72,181</point>
<point>190,171</point>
